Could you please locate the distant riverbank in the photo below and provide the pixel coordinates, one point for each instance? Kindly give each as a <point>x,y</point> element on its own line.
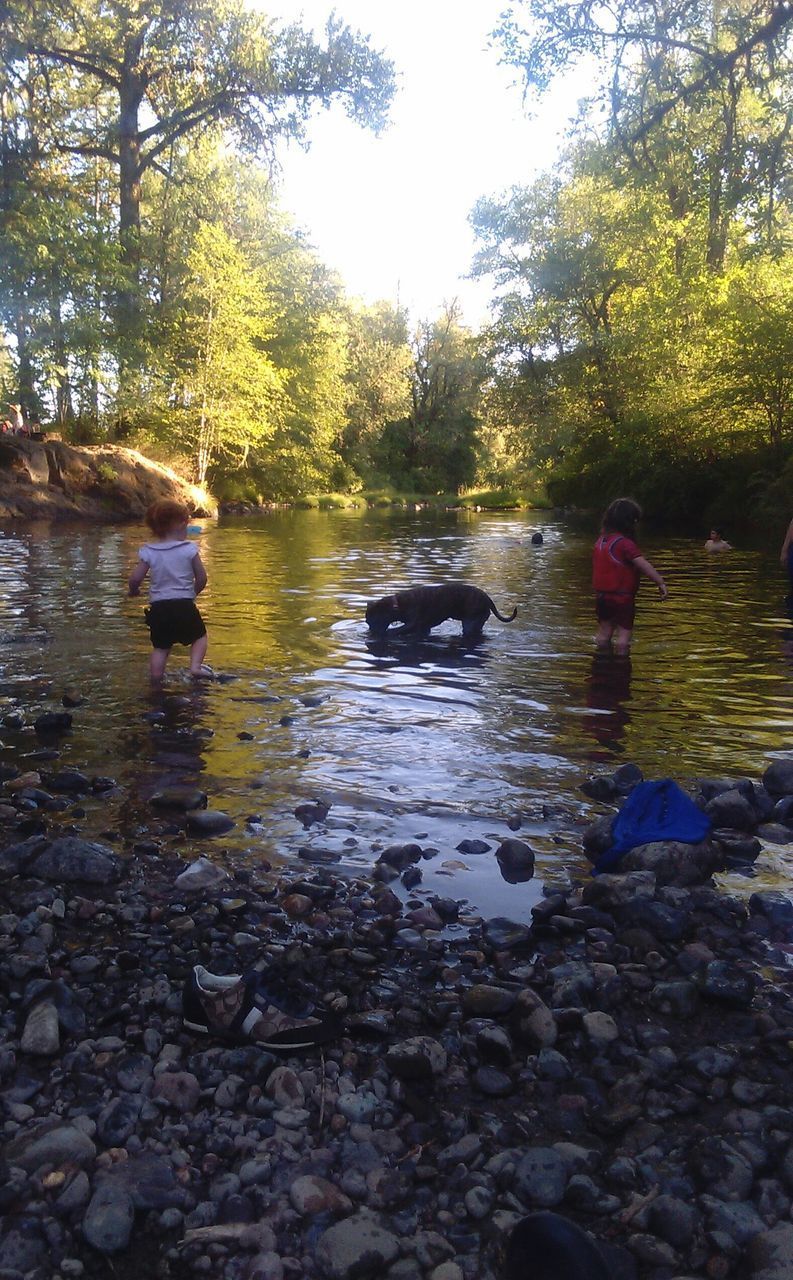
<point>50,480</point>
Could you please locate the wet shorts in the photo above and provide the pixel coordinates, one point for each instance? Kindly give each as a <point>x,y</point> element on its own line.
<point>174,622</point>
<point>620,611</point>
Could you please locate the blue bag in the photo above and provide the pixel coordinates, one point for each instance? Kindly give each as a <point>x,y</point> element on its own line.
<point>654,811</point>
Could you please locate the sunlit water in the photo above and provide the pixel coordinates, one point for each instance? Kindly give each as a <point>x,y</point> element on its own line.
<point>437,742</point>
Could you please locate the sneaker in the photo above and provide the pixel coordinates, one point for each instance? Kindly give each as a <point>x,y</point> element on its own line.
<point>253,1009</point>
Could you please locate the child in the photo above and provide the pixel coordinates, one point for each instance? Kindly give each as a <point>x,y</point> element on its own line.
<point>617,564</point>
<point>786,554</point>
<point>177,577</point>
<point>716,542</point>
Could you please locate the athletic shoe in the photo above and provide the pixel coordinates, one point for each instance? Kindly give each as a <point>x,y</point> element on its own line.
<point>253,1009</point>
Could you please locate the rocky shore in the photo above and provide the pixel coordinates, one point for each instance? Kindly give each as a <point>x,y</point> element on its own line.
<point>50,480</point>
<point>625,1059</point>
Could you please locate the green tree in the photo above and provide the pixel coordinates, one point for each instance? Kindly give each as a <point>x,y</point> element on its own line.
<point>435,447</point>
<point>377,381</point>
<point>158,72</point>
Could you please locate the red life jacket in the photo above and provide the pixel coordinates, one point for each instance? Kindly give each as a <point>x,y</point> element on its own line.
<point>610,575</point>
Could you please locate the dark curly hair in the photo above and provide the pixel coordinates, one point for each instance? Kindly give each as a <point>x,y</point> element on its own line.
<point>622,516</point>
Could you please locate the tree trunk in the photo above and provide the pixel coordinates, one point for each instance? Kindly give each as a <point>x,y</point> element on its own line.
<point>64,410</point>
<point>128,302</point>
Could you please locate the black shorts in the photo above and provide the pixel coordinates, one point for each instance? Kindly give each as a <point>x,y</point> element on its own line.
<point>619,611</point>
<point>174,622</point>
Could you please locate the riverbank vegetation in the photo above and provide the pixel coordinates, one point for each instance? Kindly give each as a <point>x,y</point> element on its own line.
<point>642,337</point>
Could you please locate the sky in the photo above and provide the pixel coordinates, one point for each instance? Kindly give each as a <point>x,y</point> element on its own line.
<point>390,214</point>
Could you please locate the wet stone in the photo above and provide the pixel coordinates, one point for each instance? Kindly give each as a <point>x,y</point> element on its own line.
<point>210,822</point>
<point>473,847</point>
<point>181,798</point>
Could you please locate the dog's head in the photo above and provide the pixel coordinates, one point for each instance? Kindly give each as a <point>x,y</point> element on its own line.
<point>381,613</point>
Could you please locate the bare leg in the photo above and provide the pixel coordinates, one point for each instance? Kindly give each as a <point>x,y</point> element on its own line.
<point>157,662</point>
<point>622,641</point>
<point>198,651</point>
<point>603,638</point>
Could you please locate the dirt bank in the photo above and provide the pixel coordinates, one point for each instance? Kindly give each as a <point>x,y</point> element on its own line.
<point>50,480</point>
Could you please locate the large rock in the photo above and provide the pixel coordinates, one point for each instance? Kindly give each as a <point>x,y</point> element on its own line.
<point>673,862</point>
<point>64,859</point>
<point>356,1249</point>
<point>515,860</point>
<point>778,778</point>
<point>52,480</point>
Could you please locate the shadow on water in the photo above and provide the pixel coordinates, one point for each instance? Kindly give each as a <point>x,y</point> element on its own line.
<point>438,741</point>
<point>608,690</point>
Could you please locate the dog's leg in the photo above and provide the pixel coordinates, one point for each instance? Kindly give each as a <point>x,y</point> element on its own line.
<point>472,627</point>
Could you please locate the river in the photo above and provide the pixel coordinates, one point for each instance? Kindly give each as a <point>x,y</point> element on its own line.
<point>435,743</point>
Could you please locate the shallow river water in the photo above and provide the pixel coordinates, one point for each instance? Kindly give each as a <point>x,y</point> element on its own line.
<point>435,742</point>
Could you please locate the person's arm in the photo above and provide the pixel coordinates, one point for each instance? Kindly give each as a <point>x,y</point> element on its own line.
<point>786,543</point>
<point>136,577</point>
<point>199,574</point>
<point>652,573</point>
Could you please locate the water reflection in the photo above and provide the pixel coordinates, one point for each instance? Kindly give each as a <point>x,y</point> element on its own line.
<point>608,689</point>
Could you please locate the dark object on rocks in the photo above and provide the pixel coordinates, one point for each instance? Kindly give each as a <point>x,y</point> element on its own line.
<point>52,723</point>
<point>72,697</point>
<point>314,811</point>
<point>545,1246</point>
<point>209,822</point>
<point>269,1015</point>
<point>654,811</point>
<point>516,861</point>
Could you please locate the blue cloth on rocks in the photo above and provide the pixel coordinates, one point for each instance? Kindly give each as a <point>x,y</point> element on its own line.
<point>654,811</point>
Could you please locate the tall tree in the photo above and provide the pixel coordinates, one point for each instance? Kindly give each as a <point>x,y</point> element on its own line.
<point>160,71</point>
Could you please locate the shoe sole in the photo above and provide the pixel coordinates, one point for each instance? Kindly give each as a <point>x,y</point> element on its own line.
<point>275,1046</point>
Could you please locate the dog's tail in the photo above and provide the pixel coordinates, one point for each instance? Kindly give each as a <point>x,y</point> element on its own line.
<point>509,617</point>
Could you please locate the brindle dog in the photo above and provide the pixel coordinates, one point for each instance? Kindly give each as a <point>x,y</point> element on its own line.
<point>420,609</point>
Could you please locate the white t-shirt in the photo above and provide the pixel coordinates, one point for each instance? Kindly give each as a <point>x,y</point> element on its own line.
<point>170,569</point>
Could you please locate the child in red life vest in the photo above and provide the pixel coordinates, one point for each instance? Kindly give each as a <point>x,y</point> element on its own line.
<point>617,565</point>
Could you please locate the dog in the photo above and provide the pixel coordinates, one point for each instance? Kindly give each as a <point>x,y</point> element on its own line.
<point>420,609</point>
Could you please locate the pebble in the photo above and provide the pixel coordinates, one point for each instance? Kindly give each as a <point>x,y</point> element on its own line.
<point>624,1060</point>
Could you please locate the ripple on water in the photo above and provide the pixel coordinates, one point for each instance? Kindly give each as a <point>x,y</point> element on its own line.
<point>435,737</point>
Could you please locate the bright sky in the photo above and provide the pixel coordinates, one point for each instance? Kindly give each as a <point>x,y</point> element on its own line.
<point>390,214</point>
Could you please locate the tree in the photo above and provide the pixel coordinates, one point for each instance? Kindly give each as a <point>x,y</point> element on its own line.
<point>377,381</point>
<point>435,447</point>
<point>157,72</point>
<point>230,394</point>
